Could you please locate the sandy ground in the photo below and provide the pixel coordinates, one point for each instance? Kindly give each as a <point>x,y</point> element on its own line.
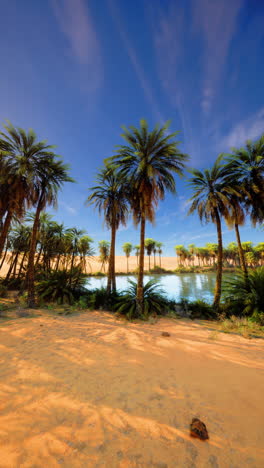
<point>94,265</point>
<point>92,391</point>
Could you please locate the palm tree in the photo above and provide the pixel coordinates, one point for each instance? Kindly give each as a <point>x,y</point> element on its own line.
<point>110,197</point>
<point>148,161</point>
<point>159,246</point>
<point>246,168</point>
<point>104,252</point>
<point>50,176</point>
<point>127,248</point>
<point>21,156</point>
<point>211,200</point>
<point>149,246</point>
<point>137,249</point>
<point>246,175</point>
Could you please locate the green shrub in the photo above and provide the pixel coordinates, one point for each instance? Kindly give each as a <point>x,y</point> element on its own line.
<point>202,310</point>
<point>100,299</point>
<point>198,309</point>
<point>159,270</point>
<point>62,286</point>
<point>241,299</point>
<point>154,300</point>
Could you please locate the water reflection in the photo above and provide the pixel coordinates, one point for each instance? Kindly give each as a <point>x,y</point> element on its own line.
<point>188,285</point>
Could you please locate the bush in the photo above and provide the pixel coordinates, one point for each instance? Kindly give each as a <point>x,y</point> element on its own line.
<point>100,299</point>
<point>62,286</point>
<point>159,270</point>
<point>154,300</point>
<point>198,309</point>
<point>241,299</point>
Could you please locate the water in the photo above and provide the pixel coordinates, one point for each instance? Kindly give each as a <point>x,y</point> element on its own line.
<point>191,286</point>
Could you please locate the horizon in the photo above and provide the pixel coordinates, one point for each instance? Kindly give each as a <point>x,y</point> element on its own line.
<point>100,67</point>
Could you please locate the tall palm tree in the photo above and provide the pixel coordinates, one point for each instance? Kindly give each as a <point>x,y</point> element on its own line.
<point>127,248</point>
<point>211,200</point>
<point>148,161</point>
<point>246,175</point>
<point>50,177</point>
<point>246,167</point>
<point>110,198</point>
<point>21,154</point>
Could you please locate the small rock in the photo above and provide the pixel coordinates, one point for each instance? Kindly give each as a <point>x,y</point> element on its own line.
<point>165,334</point>
<point>198,429</point>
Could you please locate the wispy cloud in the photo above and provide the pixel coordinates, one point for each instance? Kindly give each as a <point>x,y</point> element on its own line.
<point>248,129</point>
<point>75,21</point>
<point>69,208</point>
<point>144,82</point>
<point>216,21</point>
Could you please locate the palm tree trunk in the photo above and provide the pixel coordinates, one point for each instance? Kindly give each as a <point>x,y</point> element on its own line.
<point>31,257</point>
<point>241,255</point>
<point>15,265</point>
<point>4,257</point>
<point>21,264</point>
<point>111,282</point>
<point>140,296</point>
<point>5,230</point>
<point>127,264</point>
<point>12,262</point>
<point>149,262</point>
<point>160,260</point>
<point>218,285</point>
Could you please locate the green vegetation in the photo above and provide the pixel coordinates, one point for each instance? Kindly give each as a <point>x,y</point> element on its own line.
<point>110,197</point>
<point>148,162</point>
<point>45,257</point>
<point>245,297</point>
<point>127,248</point>
<point>154,298</point>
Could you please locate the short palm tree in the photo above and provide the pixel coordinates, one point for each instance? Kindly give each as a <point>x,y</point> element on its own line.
<point>159,246</point>
<point>148,161</point>
<point>149,247</point>
<point>211,200</point>
<point>127,248</point>
<point>104,252</point>
<point>110,197</point>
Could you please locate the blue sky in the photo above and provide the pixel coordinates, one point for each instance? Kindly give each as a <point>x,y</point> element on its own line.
<point>76,70</point>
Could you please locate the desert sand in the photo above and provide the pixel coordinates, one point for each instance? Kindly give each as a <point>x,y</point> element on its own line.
<point>89,390</point>
<point>94,265</point>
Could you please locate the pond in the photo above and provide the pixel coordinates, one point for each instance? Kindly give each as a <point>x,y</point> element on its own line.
<point>190,286</point>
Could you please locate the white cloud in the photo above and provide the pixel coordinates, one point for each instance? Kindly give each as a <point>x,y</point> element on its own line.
<point>247,129</point>
<point>75,22</point>
<point>216,22</point>
<point>68,208</point>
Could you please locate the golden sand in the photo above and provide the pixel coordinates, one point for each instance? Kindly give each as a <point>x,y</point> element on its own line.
<point>92,391</point>
<point>94,265</point>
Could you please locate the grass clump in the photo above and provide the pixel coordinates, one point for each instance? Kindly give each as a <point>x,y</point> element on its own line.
<point>244,326</point>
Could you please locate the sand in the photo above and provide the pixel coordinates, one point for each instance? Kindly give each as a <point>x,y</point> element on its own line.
<point>94,265</point>
<point>89,390</point>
